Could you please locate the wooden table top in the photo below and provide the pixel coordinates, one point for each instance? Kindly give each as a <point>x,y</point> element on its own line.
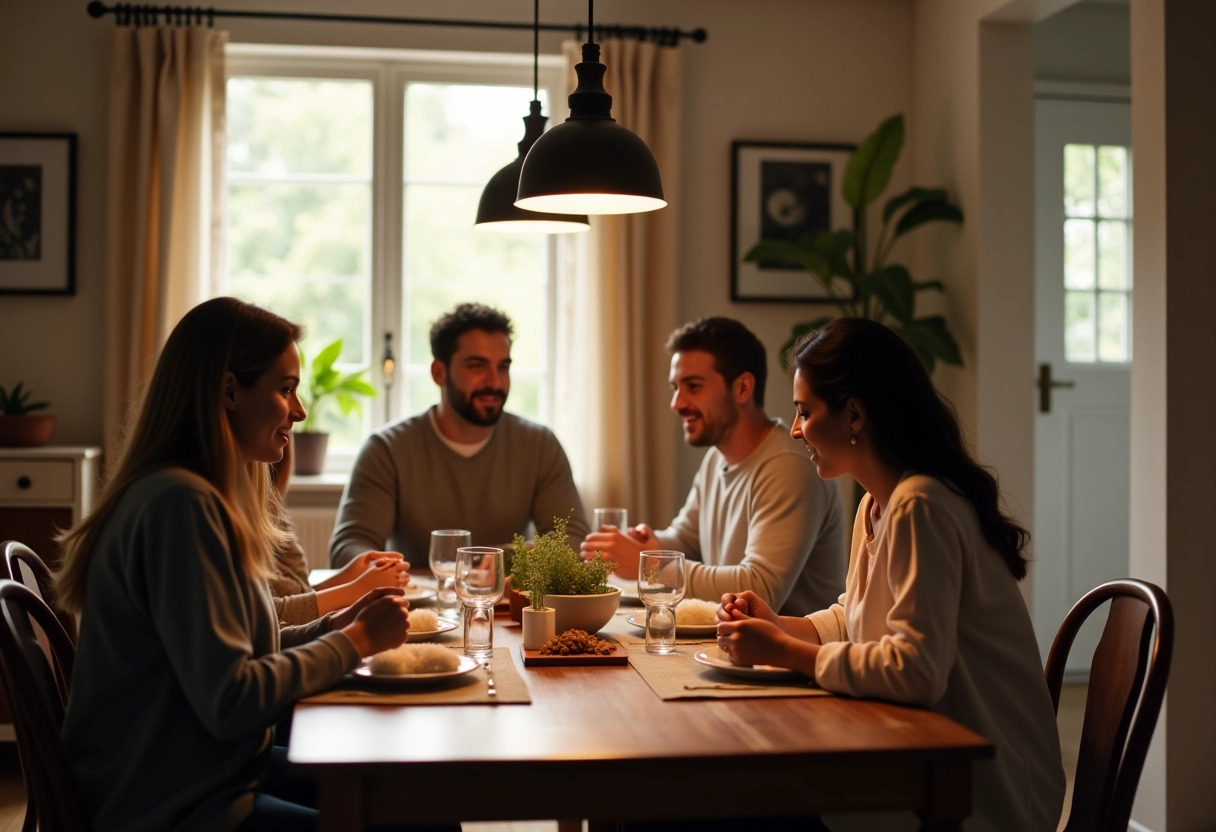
<point>594,729</point>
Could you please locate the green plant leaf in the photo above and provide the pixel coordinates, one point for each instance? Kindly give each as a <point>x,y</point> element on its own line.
<point>869,169</point>
<point>927,212</point>
<point>785,251</point>
<point>932,341</point>
<point>834,246</point>
<point>912,195</point>
<point>892,285</point>
<point>326,357</point>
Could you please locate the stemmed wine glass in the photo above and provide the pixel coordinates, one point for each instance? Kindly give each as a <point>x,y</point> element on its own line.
<point>661,586</point>
<point>444,543</point>
<point>479,585</point>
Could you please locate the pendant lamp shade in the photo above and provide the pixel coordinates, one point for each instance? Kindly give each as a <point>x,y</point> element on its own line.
<point>497,211</point>
<point>590,164</point>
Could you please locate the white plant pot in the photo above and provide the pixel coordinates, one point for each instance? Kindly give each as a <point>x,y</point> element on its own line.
<point>539,626</point>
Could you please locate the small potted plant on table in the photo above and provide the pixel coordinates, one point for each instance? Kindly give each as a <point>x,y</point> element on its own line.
<point>20,426</point>
<point>556,579</point>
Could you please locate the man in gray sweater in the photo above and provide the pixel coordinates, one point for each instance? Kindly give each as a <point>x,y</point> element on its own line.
<point>757,517</point>
<point>461,464</point>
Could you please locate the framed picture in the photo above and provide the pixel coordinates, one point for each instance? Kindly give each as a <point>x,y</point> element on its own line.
<point>780,192</point>
<point>38,213</point>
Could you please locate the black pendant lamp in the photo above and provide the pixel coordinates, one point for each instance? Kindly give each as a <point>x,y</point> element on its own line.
<point>497,210</point>
<point>590,164</point>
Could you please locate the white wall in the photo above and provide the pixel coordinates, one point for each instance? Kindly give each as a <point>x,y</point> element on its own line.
<point>796,70</point>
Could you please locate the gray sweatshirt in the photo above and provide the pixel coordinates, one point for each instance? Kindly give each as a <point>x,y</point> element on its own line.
<point>407,482</point>
<point>180,672</point>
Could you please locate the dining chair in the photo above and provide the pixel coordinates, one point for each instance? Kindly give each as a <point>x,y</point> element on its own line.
<point>21,564</point>
<point>1127,678</point>
<point>37,675</point>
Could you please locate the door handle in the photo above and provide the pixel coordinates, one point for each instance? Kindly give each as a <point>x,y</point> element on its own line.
<point>1045,383</point>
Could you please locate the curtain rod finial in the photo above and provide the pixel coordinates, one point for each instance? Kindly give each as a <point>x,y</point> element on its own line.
<point>96,8</point>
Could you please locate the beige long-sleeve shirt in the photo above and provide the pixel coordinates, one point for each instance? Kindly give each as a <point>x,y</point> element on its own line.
<point>932,616</point>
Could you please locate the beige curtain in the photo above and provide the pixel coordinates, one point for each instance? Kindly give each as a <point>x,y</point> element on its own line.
<point>617,306</point>
<point>163,217</point>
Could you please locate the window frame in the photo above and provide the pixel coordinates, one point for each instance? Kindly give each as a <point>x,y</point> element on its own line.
<point>390,71</point>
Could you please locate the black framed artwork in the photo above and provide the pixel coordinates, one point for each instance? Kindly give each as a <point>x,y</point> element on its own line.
<point>38,213</point>
<point>781,191</point>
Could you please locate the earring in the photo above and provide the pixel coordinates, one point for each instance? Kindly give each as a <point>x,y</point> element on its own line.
<point>853,439</point>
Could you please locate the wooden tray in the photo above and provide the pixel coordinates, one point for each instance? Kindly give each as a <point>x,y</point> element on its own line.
<point>617,658</point>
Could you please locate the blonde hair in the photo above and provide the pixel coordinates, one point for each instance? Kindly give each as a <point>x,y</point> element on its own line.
<point>182,422</point>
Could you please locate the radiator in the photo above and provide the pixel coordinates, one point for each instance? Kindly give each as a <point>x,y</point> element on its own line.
<point>315,525</point>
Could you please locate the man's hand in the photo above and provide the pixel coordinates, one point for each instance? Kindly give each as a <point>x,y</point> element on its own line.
<point>744,605</point>
<point>622,548</point>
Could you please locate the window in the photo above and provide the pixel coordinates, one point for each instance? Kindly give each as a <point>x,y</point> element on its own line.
<point>352,182</point>
<point>1097,254</point>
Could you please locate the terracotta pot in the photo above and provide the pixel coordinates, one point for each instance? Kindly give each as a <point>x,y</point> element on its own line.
<point>308,452</point>
<point>539,626</point>
<point>29,430</point>
<point>584,612</point>
<point>517,601</point>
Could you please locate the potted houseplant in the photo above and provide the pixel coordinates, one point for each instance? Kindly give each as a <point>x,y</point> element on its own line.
<point>554,576</point>
<point>879,290</point>
<point>323,384</point>
<point>20,425</point>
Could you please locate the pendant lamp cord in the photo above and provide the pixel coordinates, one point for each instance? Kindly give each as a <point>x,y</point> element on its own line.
<point>536,50</point>
<point>591,21</point>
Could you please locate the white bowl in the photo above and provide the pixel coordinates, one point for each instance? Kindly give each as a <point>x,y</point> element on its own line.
<point>584,612</point>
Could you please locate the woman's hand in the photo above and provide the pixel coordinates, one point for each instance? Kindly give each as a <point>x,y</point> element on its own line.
<point>392,572</point>
<point>357,566</point>
<point>746,604</point>
<point>377,622</point>
<point>752,641</point>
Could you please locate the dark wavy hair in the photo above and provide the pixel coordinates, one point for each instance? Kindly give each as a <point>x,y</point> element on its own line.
<point>734,348</point>
<point>909,423</point>
<point>446,332</point>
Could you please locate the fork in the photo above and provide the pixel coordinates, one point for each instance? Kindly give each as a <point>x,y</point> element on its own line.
<point>491,691</point>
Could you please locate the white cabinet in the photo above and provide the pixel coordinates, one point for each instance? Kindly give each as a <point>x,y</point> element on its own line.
<point>42,491</point>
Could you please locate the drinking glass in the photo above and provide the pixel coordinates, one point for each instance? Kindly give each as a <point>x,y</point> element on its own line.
<point>479,585</point>
<point>617,518</point>
<point>444,543</point>
<point>661,586</point>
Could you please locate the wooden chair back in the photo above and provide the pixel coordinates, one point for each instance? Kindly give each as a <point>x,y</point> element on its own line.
<point>21,564</point>
<point>1126,685</point>
<point>37,676</point>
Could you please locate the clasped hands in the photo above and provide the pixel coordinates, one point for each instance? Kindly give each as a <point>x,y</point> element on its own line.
<point>623,547</point>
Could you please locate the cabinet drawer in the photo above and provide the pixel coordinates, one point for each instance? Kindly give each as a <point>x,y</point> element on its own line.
<point>37,481</point>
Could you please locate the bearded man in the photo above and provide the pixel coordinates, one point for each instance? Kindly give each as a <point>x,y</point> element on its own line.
<point>464,463</point>
<point>757,517</point>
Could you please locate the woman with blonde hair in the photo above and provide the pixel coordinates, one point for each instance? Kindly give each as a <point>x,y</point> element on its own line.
<point>181,668</point>
<point>931,614</point>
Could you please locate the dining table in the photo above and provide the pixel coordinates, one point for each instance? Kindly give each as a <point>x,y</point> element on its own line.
<point>598,743</point>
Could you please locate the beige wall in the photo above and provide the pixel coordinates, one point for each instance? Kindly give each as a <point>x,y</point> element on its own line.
<point>784,70</point>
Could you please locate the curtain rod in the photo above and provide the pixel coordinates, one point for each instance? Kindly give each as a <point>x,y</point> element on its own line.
<point>131,14</point>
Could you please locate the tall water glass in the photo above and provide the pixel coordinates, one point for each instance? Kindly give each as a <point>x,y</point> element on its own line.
<point>479,585</point>
<point>444,543</point>
<point>661,586</point>
<point>617,518</point>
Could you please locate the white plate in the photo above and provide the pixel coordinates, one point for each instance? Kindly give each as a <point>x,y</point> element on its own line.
<point>638,619</point>
<point>364,672</point>
<point>760,671</point>
<point>415,592</point>
<point>629,590</point>
<point>426,635</point>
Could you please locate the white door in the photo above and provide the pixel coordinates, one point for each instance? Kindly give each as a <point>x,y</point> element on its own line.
<point>1083,343</point>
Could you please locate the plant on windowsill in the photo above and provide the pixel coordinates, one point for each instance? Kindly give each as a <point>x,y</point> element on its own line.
<point>554,576</point>
<point>879,290</point>
<point>20,425</point>
<point>322,384</point>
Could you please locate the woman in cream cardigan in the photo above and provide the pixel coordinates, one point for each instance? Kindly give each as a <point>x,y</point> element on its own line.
<point>931,614</point>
